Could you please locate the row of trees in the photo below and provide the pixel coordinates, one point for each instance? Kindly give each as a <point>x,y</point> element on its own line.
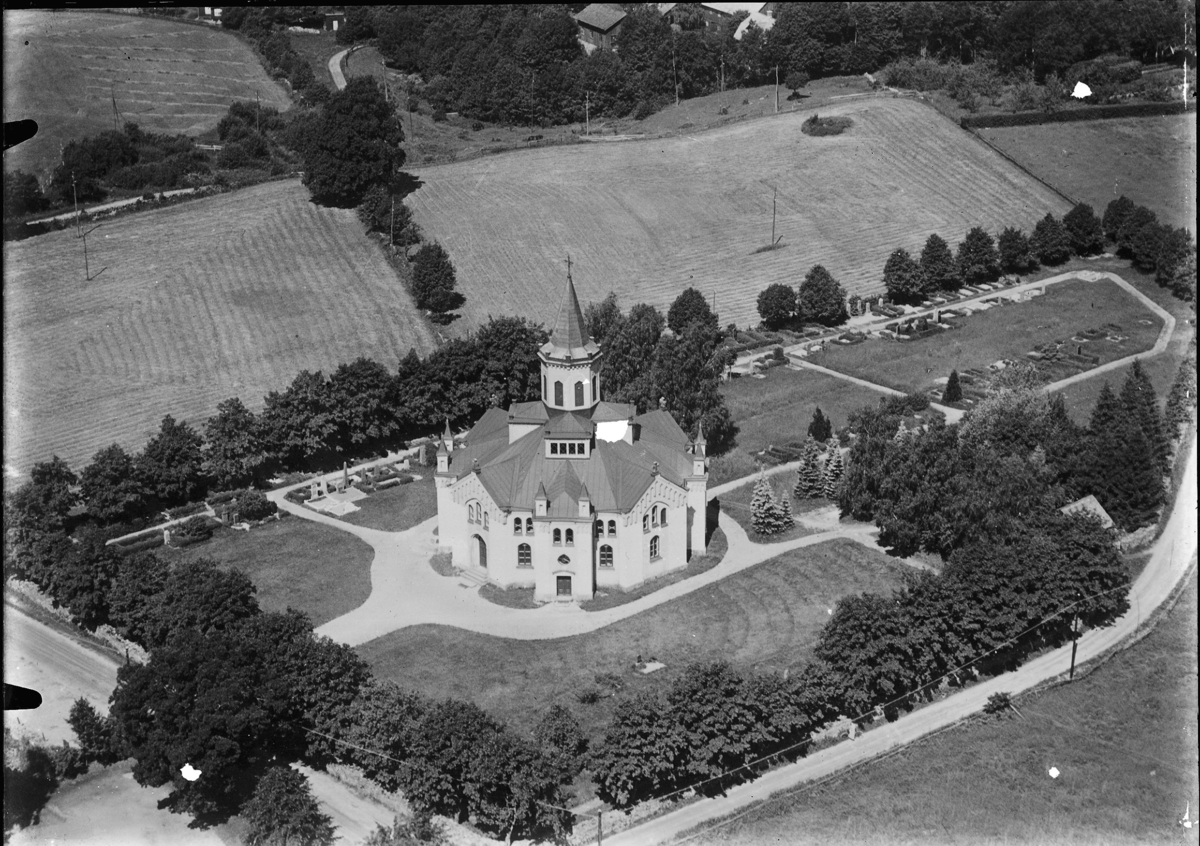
<point>818,299</point>
<point>1168,252</point>
<point>994,604</point>
<point>239,694</point>
<point>525,65</point>
<point>679,372</point>
<point>1018,453</point>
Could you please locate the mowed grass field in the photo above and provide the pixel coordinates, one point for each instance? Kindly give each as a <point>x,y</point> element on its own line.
<point>767,617</point>
<point>647,219</point>
<point>1123,737</point>
<point>1151,160</point>
<point>64,69</point>
<point>231,295</point>
<point>1007,331</point>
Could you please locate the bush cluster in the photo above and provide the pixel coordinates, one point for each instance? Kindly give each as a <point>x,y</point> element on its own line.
<point>1071,115</point>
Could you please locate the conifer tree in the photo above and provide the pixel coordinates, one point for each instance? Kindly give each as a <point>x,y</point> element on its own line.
<point>809,482</point>
<point>834,469</point>
<point>1106,412</point>
<point>1141,403</point>
<point>762,508</point>
<point>1119,466</point>
<point>953,392</point>
<point>1181,398</point>
<point>820,429</point>
<point>783,512</point>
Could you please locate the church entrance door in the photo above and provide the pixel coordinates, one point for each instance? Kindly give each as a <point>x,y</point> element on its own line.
<point>481,551</point>
<point>564,585</point>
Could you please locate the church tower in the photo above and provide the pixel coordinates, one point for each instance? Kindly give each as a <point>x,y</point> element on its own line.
<point>570,359</point>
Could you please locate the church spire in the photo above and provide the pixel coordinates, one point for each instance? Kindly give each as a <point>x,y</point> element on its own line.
<point>570,338</point>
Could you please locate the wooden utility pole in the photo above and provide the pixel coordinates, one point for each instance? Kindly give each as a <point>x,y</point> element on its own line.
<point>1074,636</point>
<point>722,75</point>
<point>774,193</point>
<point>673,73</point>
<point>392,242</point>
<point>75,198</point>
<point>777,89</point>
<point>87,272</point>
<point>587,112</point>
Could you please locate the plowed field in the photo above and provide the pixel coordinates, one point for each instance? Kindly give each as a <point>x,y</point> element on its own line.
<point>649,218</point>
<point>226,296</point>
<point>65,69</point>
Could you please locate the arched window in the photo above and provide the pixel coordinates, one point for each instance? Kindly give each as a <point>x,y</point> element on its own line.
<point>570,537</point>
<point>544,385</point>
<point>595,396</point>
<point>662,516</point>
<point>654,547</point>
<point>606,557</point>
<point>485,519</point>
<point>529,525</point>
<point>578,394</point>
<point>645,522</point>
<point>599,528</point>
<point>558,537</point>
<point>524,556</point>
<point>470,512</point>
<point>558,394</point>
<point>517,524</point>
<point>612,528</point>
<point>653,516</point>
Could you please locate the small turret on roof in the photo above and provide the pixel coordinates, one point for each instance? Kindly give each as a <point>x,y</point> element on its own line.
<point>448,436</point>
<point>700,442</point>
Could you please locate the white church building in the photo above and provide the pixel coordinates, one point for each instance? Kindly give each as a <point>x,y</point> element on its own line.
<point>570,494</point>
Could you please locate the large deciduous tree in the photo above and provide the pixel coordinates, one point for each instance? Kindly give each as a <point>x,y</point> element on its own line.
<point>298,425</point>
<point>283,811</point>
<point>1084,229</point>
<point>903,278</point>
<point>777,305</point>
<point>434,280</point>
<point>1115,214</point>
<point>629,355</point>
<point>1051,244</point>
<point>937,265</point>
<point>233,453</point>
<point>602,318</point>
<point>171,466</point>
<point>352,145</point>
<point>690,307</point>
<point>362,396</point>
<point>687,378</point>
<point>820,298</point>
<point>977,260</point>
<point>1016,255</point>
<point>111,488</point>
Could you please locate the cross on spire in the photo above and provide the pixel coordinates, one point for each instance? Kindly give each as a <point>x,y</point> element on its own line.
<point>569,268</point>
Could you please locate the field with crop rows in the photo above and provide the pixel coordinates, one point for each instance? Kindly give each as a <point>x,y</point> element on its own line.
<point>64,69</point>
<point>648,218</point>
<point>226,296</point>
<point>1151,160</point>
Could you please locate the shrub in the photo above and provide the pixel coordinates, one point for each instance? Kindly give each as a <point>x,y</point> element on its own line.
<point>476,126</point>
<point>194,529</point>
<point>439,116</point>
<point>588,696</point>
<point>819,126</point>
<point>152,541</point>
<point>643,110</point>
<point>254,505</point>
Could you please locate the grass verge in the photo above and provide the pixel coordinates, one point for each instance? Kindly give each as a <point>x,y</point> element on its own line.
<point>294,563</point>
<point>767,617</point>
<point>396,508</point>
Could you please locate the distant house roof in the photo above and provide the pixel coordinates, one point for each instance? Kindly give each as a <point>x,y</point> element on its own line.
<point>1089,503</point>
<point>601,16</point>
<point>732,9</point>
<point>758,19</point>
<point>665,8</point>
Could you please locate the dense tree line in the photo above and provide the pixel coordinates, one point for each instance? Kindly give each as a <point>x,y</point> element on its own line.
<point>524,65</point>
<point>679,372</point>
<point>1135,232</point>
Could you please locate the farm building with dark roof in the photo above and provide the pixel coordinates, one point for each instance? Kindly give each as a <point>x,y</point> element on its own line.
<point>571,494</point>
<point>599,24</point>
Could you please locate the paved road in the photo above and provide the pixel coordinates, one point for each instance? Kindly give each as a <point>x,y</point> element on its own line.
<point>59,667</point>
<point>335,69</point>
<point>1170,559</point>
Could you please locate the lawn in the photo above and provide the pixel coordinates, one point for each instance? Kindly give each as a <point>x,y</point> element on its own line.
<point>231,295</point>
<point>648,218</point>
<point>316,569</point>
<point>777,409</point>
<point>736,503</point>
<point>1151,160</point>
<point>1123,737</point>
<point>397,508</point>
<point>65,68</point>
<point>1003,332</point>
<point>767,618</point>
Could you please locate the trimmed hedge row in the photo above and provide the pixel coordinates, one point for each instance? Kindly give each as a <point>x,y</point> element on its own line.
<point>1070,115</point>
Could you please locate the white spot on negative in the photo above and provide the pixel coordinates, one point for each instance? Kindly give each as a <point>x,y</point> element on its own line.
<point>1054,772</point>
<point>189,772</point>
<point>1081,91</point>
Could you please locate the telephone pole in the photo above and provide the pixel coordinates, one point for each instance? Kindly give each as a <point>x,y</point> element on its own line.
<point>1074,635</point>
<point>75,198</point>
<point>777,89</point>
<point>587,112</point>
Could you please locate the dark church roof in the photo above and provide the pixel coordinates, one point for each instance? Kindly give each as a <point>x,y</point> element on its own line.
<point>616,474</point>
